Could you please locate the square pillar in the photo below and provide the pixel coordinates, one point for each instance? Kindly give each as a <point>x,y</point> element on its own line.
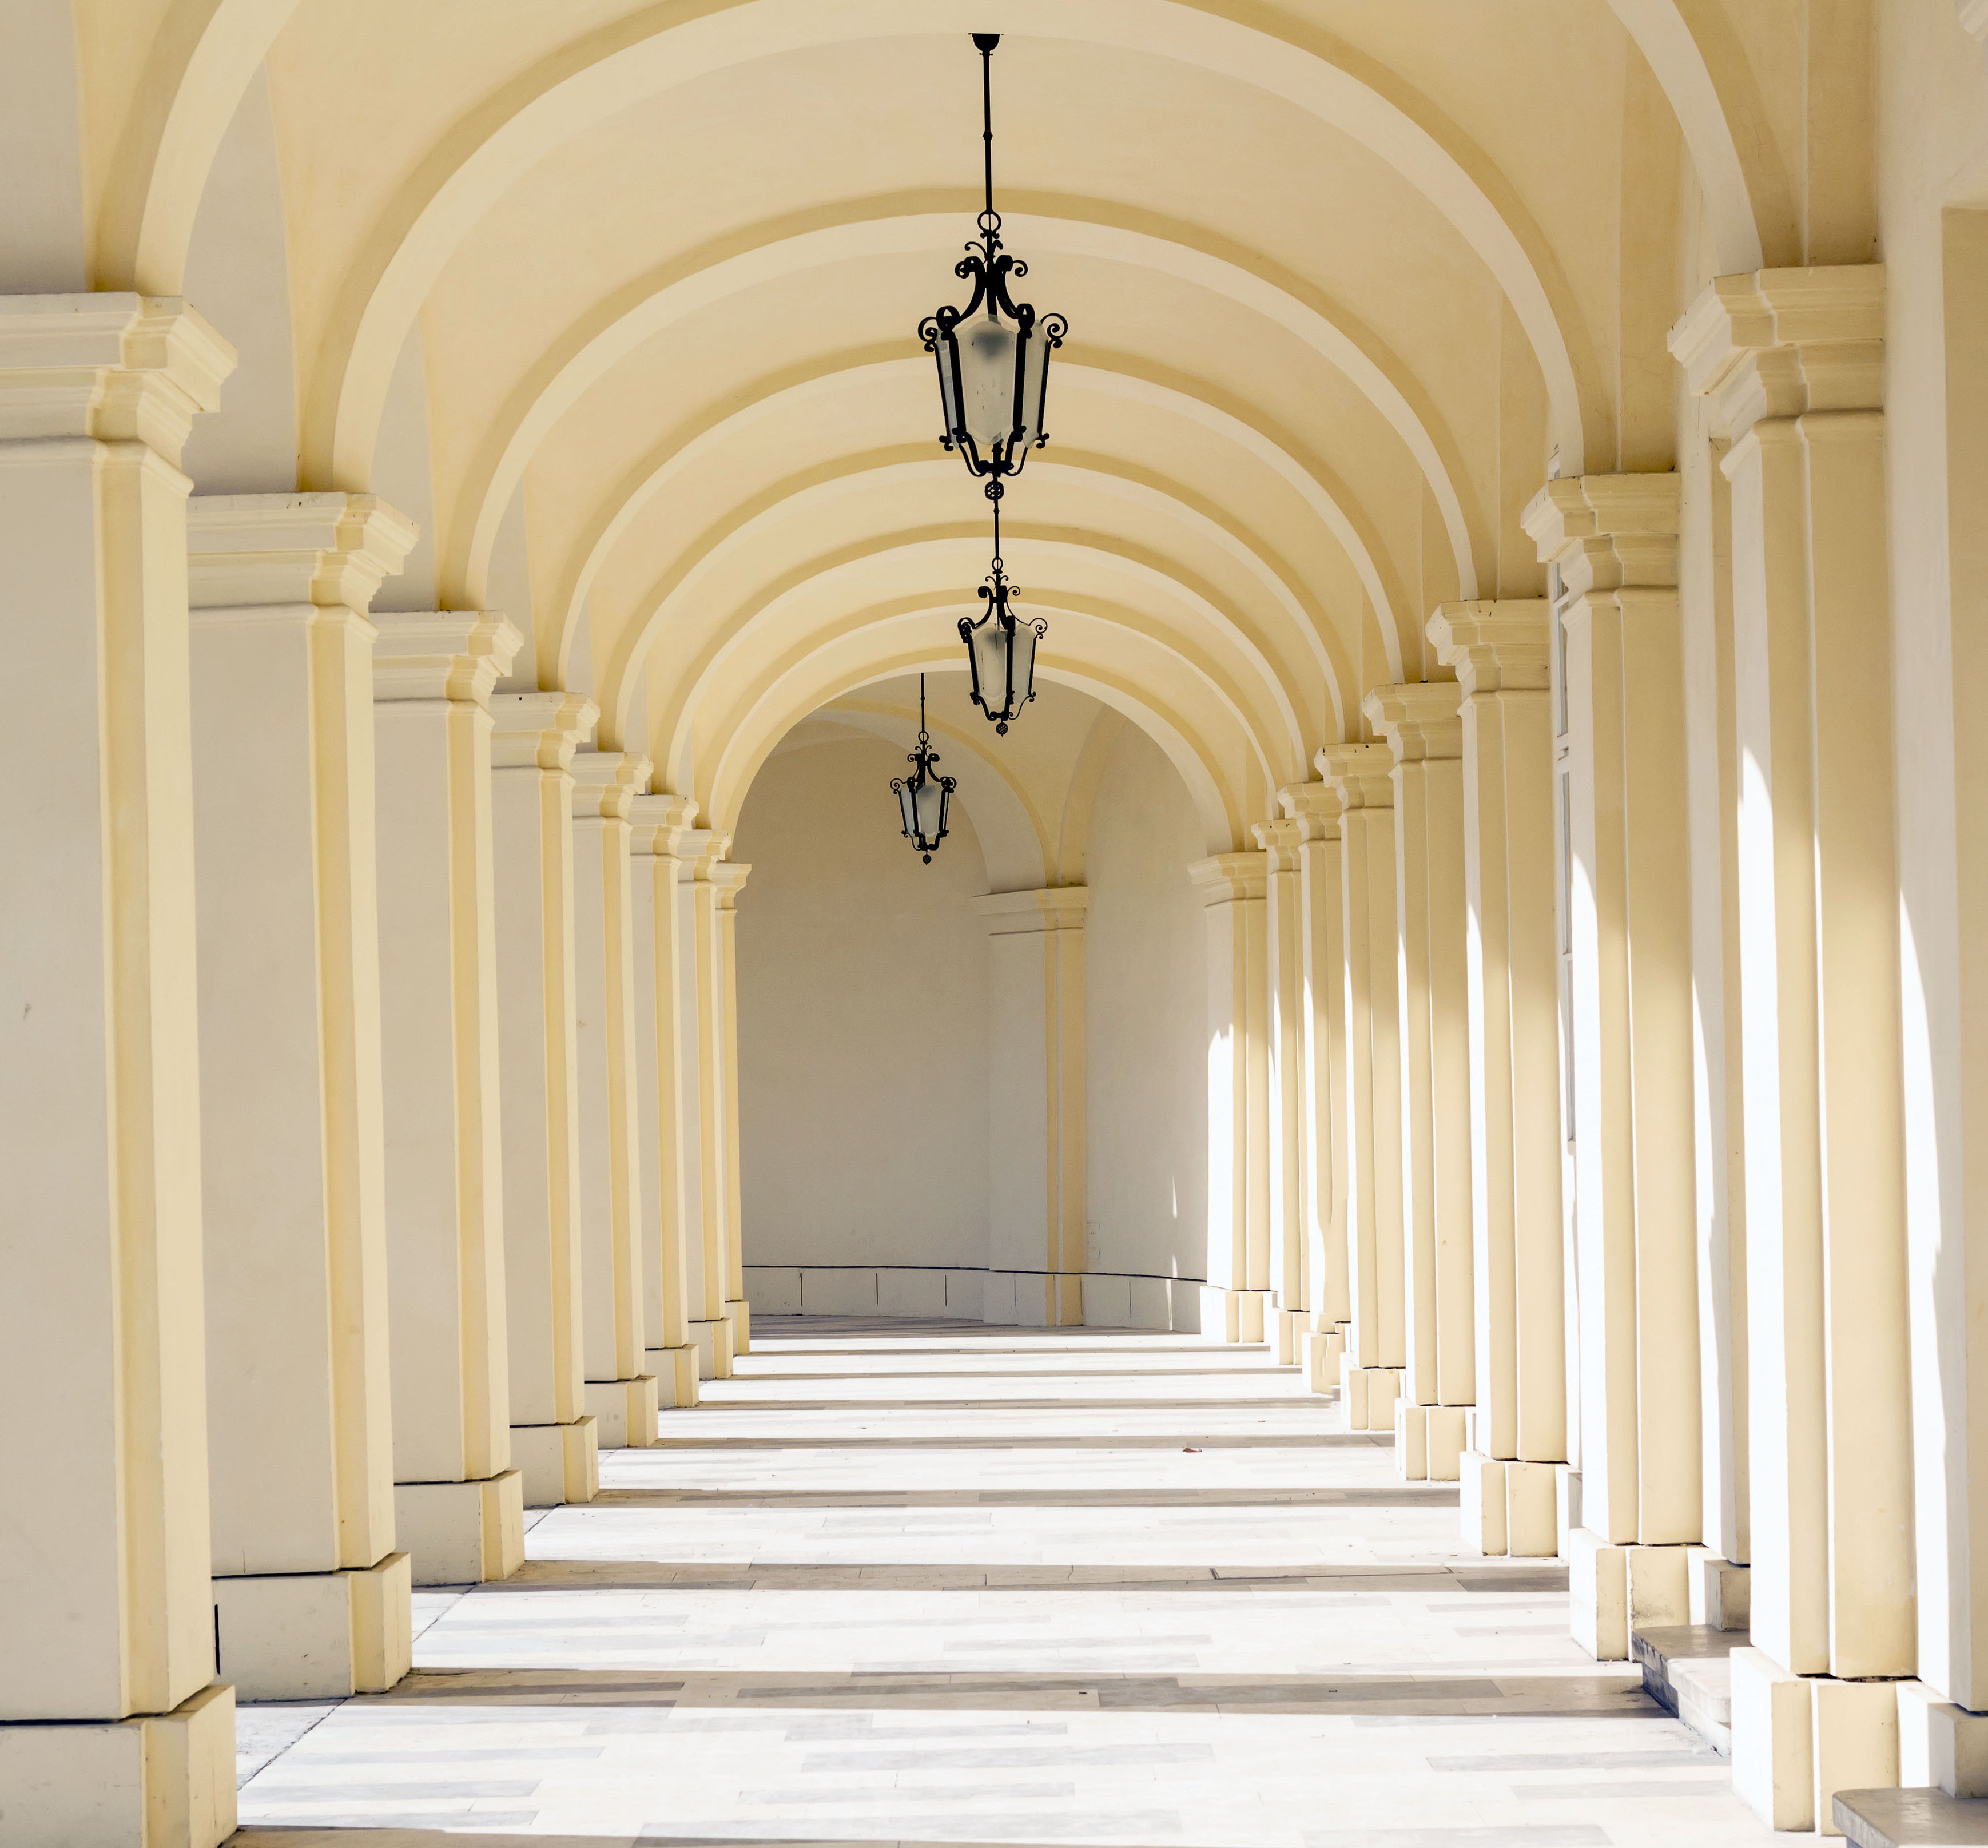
<point>699,852</point>
<point>105,1597</point>
<point>620,1392</point>
<point>1791,363</point>
<point>1421,725</point>
<point>1501,652</point>
<point>1235,1298</point>
<point>1284,984</point>
<point>1036,1183</point>
<point>1613,539</point>
<point>311,1597</point>
<point>1313,809</point>
<point>554,1439</point>
<point>656,822</point>
<point>729,880</point>
<point>459,1503</point>
<point>1368,1105</point>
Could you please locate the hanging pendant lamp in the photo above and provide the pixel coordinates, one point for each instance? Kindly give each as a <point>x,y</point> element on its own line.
<point>994,370</point>
<point>1001,646</point>
<point>922,796</point>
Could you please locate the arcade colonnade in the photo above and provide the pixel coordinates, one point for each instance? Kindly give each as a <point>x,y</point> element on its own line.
<point>1544,541</point>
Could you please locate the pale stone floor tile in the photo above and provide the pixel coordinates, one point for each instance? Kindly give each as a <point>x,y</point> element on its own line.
<point>920,1584</point>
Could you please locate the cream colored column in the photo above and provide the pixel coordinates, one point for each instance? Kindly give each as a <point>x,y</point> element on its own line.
<point>1288,1319</point>
<point>729,878</point>
<point>620,1392</point>
<point>1036,1180</point>
<point>1501,653</point>
<point>1614,538</point>
<point>1793,363</point>
<point>656,822</point>
<point>311,1598</point>
<point>1313,809</point>
<point>554,1439</point>
<point>459,1505</point>
<point>700,852</point>
<point>1422,725</point>
<point>1369,1104</point>
<point>105,1598</point>
<point>1235,1298</point>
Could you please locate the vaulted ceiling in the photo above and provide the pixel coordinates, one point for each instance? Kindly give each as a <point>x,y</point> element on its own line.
<point>635,286</point>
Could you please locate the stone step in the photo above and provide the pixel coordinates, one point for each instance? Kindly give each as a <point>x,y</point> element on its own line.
<point>1686,1669</point>
<point>1912,1818</point>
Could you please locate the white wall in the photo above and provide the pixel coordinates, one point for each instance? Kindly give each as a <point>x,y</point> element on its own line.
<point>863,1003</point>
<point>1147,1016</point>
<point>862,1013</point>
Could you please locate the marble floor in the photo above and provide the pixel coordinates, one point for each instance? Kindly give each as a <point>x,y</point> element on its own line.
<point>924,1582</point>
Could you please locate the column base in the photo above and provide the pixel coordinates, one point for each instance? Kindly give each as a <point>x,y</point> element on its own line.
<point>1941,1746</point>
<point>738,1312</point>
<point>1429,1441</point>
<point>1719,1591</point>
<point>713,1340</point>
<point>1509,1507</point>
<point>1480,1499</point>
<point>1061,1299</point>
<point>1614,1590</point>
<point>675,1371</point>
<point>156,1780</point>
<point>316,1636</point>
<point>624,1411</point>
<point>1799,1739</point>
<point>462,1533</point>
<point>1321,1361</point>
<point>1287,1331</point>
<point>1367,1396</point>
<point>1566,1506</point>
<point>557,1462</point>
<point>1232,1315</point>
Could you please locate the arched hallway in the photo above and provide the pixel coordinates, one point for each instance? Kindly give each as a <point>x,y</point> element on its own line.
<point>1445,889</point>
<point>903,1582</point>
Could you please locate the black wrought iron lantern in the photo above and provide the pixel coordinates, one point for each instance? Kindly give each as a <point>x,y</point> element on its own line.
<point>1001,646</point>
<point>993,355</point>
<point>923,796</point>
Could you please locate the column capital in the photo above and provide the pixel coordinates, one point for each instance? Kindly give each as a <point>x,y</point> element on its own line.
<point>1606,531</point>
<point>246,551</point>
<point>1224,876</point>
<point>700,849</point>
<point>729,878</point>
<point>1420,719</point>
<point>604,783</point>
<point>541,730</point>
<point>115,368</point>
<point>1780,343</point>
<point>658,822</point>
<point>441,654</point>
<point>1053,908</point>
<point>1359,774</point>
<point>1279,840</point>
<point>1501,646</point>
<point>1314,809</point>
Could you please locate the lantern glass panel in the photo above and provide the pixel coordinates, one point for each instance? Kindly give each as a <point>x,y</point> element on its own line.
<point>931,806</point>
<point>908,800</point>
<point>1035,386</point>
<point>948,394</point>
<point>1024,661</point>
<point>990,661</point>
<point>987,378</point>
